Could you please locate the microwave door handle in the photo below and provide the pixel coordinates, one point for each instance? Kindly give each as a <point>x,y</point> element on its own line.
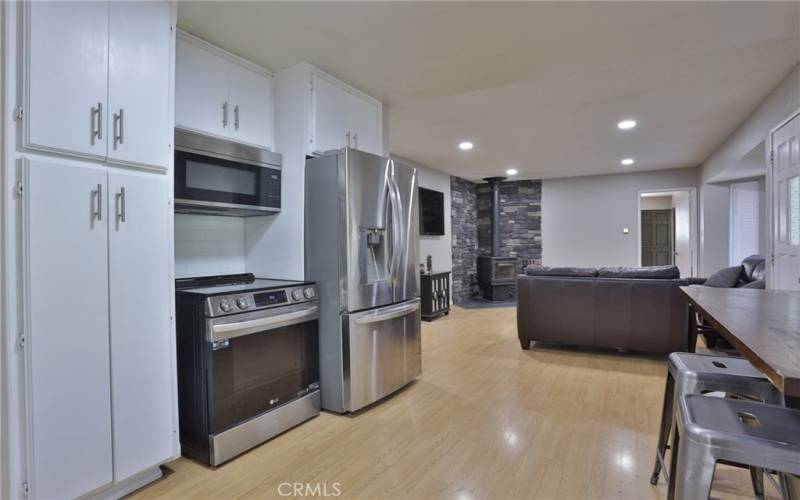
<point>240,328</point>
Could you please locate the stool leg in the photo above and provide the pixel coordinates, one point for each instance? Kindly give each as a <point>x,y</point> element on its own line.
<point>757,477</point>
<point>667,416</point>
<point>673,462</point>
<point>694,471</point>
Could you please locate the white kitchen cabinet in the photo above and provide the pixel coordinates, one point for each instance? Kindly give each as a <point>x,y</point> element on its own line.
<point>365,124</point>
<point>330,105</point>
<point>201,89</point>
<point>67,77</point>
<point>221,94</point>
<point>101,354</point>
<point>251,101</point>
<point>342,116</point>
<point>67,342</point>
<point>97,79</point>
<point>139,326</point>
<point>139,83</point>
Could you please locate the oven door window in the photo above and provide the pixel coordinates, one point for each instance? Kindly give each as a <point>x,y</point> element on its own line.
<point>261,371</point>
<point>206,178</point>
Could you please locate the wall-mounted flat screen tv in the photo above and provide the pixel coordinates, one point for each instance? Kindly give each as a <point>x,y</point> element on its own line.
<point>431,212</point>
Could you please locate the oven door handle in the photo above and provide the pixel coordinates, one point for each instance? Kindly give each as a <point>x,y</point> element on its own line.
<point>240,328</point>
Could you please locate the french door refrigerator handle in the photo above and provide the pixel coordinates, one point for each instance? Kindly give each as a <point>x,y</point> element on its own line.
<point>397,237</point>
<point>395,312</point>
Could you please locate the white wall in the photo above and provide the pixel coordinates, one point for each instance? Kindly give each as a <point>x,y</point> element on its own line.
<point>208,245</point>
<point>656,202</point>
<point>583,217</point>
<point>440,248</point>
<point>723,166</point>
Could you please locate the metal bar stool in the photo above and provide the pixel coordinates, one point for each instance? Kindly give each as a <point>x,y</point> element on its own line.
<point>699,374</point>
<point>711,430</point>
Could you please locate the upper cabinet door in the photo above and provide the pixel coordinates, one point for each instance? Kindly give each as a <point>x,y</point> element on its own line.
<point>330,122</point>
<point>67,77</point>
<point>139,83</point>
<point>201,90</point>
<point>67,330</point>
<point>251,106</point>
<point>141,344</point>
<point>365,124</point>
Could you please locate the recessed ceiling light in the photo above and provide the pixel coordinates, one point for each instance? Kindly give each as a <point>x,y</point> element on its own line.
<point>626,124</point>
<point>627,161</point>
<point>511,171</point>
<point>466,145</point>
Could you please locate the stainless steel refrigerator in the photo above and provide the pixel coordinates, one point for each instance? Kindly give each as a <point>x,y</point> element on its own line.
<point>362,249</point>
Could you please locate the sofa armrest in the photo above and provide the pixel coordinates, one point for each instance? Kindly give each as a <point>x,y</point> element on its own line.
<point>696,281</point>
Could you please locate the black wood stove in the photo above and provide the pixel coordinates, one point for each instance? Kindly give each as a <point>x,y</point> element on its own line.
<point>497,275</point>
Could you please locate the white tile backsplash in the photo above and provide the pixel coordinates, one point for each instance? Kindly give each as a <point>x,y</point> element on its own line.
<point>208,244</point>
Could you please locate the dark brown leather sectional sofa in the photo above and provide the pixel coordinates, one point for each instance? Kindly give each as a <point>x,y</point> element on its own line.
<point>636,309</point>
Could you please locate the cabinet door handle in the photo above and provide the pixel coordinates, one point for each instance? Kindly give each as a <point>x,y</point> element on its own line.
<point>121,205</point>
<point>97,122</point>
<point>119,127</point>
<point>225,114</point>
<point>355,140</point>
<point>97,202</point>
<point>348,138</point>
<point>236,117</point>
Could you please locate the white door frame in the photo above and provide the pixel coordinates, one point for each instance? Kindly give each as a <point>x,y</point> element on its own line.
<point>692,221</point>
<point>768,153</point>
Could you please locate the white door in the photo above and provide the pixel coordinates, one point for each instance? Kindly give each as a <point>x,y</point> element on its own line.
<point>201,90</point>
<point>140,335</point>
<point>331,123</point>
<point>365,124</point>
<point>139,83</point>
<point>786,206</point>
<point>67,334</point>
<point>251,101</point>
<point>67,77</point>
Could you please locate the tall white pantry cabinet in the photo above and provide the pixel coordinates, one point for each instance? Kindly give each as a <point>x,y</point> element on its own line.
<point>89,397</point>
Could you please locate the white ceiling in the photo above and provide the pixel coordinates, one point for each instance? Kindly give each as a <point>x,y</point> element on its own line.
<point>536,86</point>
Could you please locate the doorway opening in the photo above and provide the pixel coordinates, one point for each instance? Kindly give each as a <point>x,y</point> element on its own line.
<point>667,229</point>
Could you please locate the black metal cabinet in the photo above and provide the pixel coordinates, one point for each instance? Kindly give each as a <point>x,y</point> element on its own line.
<point>435,294</point>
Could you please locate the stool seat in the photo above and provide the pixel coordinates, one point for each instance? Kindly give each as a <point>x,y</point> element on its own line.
<point>708,373</point>
<point>743,427</point>
<point>709,430</point>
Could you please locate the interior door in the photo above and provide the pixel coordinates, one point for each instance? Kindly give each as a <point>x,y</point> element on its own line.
<point>67,334</point>
<point>330,107</point>
<point>786,206</point>
<point>365,124</point>
<point>139,82</point>
<point>657,237</point>
<point>67,77</point>
<point>406,273</point>
<point>201,90</point>
<point>141,344</point>
<point>251,101</point>
<point>384,348</point>
<point>372,229</point>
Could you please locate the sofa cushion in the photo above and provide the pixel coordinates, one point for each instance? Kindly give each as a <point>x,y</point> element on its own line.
<point>725,278</point>
<point>753,268</point>
<point>585,272</point>
<point>651,272</point>
<point>757,285</point>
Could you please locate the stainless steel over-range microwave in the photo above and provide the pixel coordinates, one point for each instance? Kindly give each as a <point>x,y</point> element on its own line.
<point>221,177</point>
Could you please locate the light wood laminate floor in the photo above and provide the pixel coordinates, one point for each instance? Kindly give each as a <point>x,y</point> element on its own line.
<point>484,420</point>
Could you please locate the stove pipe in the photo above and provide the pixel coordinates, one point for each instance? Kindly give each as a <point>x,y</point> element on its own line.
<point>494,183</point>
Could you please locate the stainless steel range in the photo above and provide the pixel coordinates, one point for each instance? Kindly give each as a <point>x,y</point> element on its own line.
<point>248,362</point>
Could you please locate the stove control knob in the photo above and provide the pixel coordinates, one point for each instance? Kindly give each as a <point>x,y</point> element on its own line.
<point>225,305</point>
<point>242,303</point>
<point>309,293</point>
<point>297,294</point>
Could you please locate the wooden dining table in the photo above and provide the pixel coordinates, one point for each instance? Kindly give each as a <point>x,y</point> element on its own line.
<point>763,325</point>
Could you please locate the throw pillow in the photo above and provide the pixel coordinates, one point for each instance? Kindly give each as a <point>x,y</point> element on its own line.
<point>725,278</point>
<point>757,285</point>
